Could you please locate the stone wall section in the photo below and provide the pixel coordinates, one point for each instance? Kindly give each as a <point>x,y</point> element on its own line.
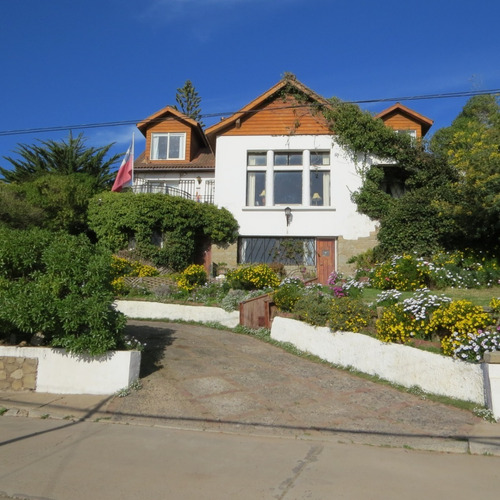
<point>18,374</point>
<point>348,248</point>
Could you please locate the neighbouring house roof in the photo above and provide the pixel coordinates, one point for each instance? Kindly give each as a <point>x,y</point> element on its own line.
<point>288,83</point>
<point>205,160</point>
<point>398,108</point>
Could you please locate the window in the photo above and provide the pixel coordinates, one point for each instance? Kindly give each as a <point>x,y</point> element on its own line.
<point>320,158</point>
<point>287,251</point>
<point>320,188</point>
<point>257,159</point>
<point>287,159</point>
<point>168,146</point>
<point>256,189</point>
<point>288,187</point>
<point>286,180</point>
<point>411,133</point>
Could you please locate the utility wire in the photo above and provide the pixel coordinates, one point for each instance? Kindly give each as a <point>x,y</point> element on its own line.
<point>121,123</point>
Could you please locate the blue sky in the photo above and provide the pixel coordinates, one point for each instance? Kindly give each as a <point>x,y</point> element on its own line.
<point>79,62</point>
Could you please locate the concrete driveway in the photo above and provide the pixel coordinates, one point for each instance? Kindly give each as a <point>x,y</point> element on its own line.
<point>200,378</point>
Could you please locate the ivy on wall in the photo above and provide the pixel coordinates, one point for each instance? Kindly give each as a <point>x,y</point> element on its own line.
<point>184,225</point>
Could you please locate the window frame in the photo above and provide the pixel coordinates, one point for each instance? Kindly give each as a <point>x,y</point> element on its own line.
<point>154,148</point>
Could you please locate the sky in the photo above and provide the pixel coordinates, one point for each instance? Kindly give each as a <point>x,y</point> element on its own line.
<point>65,63</point>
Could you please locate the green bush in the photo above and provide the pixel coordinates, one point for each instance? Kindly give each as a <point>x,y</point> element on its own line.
<point>402,272</point>
<point>314,306</point>
<point>62,293</point>
<point>192,277</point>
<point>288,293</point>
<point>348,314</point>
<point>252,277</point>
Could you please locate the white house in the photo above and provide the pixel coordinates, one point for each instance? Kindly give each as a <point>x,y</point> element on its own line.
<point>278,169</point>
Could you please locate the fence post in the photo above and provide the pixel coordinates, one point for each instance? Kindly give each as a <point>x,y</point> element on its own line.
<point>491,370</point>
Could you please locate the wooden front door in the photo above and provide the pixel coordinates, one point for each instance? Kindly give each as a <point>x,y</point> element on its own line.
<point>325,259</point>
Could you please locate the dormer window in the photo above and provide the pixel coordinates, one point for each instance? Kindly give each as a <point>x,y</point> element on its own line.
<point>168,146</point>
<point>411,132</point>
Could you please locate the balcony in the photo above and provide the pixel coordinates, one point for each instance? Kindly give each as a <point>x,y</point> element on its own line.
<point>173,191</point>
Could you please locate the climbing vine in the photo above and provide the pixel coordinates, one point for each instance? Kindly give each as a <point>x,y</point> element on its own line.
<point>169,230</point>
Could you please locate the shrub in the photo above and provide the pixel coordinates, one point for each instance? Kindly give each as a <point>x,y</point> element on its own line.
<point>288,293</point>
<point>402,272</point>
<point>348,315</point>
<point>64,293</point>
<point>192,277</point>
<point>472,346</point>
<point>121,268</point>
<point>400,322</point>
<point>395,325</point>
<point>313,306</point>
<point>232,300</point>
<point>253,277</point>
<point>459,316</point>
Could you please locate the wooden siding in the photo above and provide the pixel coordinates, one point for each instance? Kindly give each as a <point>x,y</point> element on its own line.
<point>280,117</point>
<point>399,121</point>
<point>171,125</point>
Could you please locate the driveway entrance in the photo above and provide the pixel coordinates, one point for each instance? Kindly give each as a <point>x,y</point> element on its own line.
<point>198,377</point>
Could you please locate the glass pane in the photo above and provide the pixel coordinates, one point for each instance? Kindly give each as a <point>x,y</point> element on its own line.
<point>162,141</point>
<point>287,188</point>
<point>256,189</point>
<point>174,150</point>
<point>295,159</point>
<point>287,159</point>
<point>320,158</point>
<point>320,188</point>
<point>257,159</point>
<point>280,159</point>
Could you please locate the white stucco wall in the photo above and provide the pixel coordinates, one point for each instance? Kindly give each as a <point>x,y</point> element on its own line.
<point>396,363</point>
<point>340,219</point>
<point>155,310</point>
<point>62,373</point>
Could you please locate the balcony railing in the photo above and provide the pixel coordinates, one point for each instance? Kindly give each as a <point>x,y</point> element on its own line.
<point>172,191</point>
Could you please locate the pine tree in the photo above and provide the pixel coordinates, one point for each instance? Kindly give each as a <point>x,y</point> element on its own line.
<point>189,102</point>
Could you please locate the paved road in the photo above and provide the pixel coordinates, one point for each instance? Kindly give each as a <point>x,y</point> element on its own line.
<point>60,460</point>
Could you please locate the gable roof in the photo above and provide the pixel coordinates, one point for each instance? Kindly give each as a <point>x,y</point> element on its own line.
<point>163,114</point>
<point>425,123</point>
<point>288,82</point>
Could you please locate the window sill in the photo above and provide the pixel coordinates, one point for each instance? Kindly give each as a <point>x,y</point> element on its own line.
<point>295,208</point>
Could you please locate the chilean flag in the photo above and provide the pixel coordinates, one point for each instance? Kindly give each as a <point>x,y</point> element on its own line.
<point>126,171</point>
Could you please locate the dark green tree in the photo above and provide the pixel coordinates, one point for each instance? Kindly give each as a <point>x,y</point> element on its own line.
<point>414,220</point>
<point>61,157</point>
<point>15,211</point>
<point>471,147</point>
<point>188,102</point>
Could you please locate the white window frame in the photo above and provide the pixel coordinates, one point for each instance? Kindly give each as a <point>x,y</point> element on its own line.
<point>155,145</point>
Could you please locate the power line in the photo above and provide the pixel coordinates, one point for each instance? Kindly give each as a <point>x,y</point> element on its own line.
<point>122,123</point>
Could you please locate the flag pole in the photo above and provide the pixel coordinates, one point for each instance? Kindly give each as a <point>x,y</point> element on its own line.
<point>133,159</point>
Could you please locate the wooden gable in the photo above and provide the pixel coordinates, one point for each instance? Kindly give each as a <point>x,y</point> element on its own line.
<point>399,117</point>
<point>288,108</point>
<point>170,120</point>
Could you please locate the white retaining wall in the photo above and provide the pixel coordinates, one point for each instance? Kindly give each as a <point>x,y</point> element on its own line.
<point>62,373</point>
<point>396,363</point>
<point>154,310</point>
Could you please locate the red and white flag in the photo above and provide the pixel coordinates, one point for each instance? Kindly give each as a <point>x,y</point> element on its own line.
<point>126,171</point>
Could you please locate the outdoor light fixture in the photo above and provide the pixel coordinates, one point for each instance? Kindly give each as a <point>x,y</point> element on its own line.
<point>198,179</point>
<point>288,215</point>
